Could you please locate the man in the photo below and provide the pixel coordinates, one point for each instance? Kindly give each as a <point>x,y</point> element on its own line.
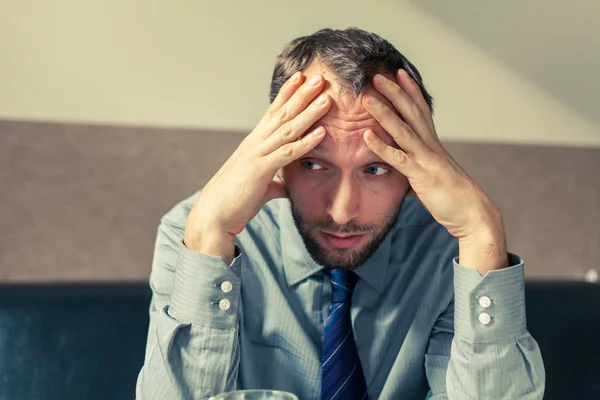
<point>340,252</point>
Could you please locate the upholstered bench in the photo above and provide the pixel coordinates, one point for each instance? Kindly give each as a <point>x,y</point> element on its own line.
<point>86,341</point>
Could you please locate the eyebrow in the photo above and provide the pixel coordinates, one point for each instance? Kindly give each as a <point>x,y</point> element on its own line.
<point>319,149</point>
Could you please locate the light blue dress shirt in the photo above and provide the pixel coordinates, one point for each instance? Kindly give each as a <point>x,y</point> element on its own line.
<point>425,327</point>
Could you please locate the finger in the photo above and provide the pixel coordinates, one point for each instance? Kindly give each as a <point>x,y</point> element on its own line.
<point>295,128</point>
<point>395,157</point>
<point>412,89</point>
<point>403,135</point>
<point>299,100</point>
<point>404,104</point>
<point>286,91</point>
<point>294,150</point>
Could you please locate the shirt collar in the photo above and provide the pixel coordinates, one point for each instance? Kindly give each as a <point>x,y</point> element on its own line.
<point>299,265</point>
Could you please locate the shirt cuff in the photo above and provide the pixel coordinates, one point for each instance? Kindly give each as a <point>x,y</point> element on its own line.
<point>490,308</point>
<point>206,290</point>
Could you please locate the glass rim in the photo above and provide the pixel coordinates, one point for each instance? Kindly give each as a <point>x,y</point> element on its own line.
<point>256,391</point>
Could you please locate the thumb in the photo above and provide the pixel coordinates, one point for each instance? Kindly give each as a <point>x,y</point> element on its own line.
<point>276,190</point>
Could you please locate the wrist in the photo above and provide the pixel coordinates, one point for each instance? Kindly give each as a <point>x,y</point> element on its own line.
<point>211,241</point>
<point>484,250</point>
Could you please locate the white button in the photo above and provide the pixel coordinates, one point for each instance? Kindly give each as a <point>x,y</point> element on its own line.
<point>485,301</point>
<point>224,305</point>
<point>485,318</point>
<point>226,287</point>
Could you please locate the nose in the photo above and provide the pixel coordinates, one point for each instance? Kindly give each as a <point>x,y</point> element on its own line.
<point>344,201</point>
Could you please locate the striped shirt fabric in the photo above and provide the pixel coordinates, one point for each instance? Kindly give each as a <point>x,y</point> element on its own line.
<point>425,327</point>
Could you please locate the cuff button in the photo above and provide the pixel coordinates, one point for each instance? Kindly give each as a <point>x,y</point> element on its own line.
<point>224,305</point>
<point>485,301</point>
<point>485,318</point>
<point>226,287</point>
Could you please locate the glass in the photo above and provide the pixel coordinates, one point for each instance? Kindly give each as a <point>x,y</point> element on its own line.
<point>255,395</point>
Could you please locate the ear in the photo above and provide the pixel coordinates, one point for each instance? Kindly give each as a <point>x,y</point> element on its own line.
<point>276,189</point>
<point>279,175</point>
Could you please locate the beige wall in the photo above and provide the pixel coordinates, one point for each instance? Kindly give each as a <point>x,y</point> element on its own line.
<point>98,193</point>
<point>207,64</point>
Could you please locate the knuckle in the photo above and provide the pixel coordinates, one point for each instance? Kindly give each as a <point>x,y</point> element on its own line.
<point>286,132</point>
<point>283,114</point>
<point>406,132</point>
<point>427,158</point>
<point>287,150</point>
<point>271,111</point>
<point>315,108</point>
<point>432,162</point>
<point>400,157</point>
<point>416,110</point>
<point>397,91</point>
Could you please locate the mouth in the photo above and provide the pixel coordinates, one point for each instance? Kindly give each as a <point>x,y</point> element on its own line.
<point>342,241</point>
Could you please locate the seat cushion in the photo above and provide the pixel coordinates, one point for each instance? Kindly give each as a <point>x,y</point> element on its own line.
<point>72,341</point>
<point>564,318</point>
<point>87,341</point>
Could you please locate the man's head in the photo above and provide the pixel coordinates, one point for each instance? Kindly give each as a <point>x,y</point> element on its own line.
<point>344,198</point>
<point>354,56</point>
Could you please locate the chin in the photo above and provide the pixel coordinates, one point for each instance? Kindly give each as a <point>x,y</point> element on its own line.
<point>343,258</point>
<point>346,256</point>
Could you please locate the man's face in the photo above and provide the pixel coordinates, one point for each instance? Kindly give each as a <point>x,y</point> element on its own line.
<point>344,197</point>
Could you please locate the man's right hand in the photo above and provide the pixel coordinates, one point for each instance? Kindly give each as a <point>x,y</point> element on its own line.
<point>246,181</point>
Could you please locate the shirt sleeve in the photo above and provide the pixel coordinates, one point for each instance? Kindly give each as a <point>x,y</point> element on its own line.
<point>192,347</point>
<point>483,340</point>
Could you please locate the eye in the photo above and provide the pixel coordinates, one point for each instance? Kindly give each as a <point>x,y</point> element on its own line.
<point>376,170</point>
<point>311,165</point>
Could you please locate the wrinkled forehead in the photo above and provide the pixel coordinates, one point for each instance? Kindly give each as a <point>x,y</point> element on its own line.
<point>347,119</point>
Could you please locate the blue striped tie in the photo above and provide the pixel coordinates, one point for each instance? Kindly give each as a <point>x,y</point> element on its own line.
<point>343,376</point>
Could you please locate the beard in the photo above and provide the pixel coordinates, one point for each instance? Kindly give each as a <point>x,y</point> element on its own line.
<point>343,258</point>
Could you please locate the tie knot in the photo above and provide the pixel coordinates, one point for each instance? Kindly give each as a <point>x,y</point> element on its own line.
<point>342,285</point>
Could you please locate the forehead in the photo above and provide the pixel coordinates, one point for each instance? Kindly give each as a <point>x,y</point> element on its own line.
<point>347,120</point>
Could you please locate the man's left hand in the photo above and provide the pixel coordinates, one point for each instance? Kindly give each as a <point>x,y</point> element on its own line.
<point>452,197</point>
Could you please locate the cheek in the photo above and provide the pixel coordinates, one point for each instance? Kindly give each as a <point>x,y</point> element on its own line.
<point>303,192</point>
<point>390,188</point>
<point>379,200</point>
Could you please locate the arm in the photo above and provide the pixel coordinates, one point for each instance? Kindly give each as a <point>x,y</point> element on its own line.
<point>469,359</point>
<point>192,348</point>
<point>500,358</point>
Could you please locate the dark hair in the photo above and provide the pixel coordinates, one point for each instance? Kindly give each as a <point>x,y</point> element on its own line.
<point>353,55</point>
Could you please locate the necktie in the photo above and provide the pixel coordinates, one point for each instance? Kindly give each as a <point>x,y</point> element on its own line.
<point>342,375</point>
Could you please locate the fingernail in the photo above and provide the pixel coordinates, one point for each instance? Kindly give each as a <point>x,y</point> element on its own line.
<point>322,99</point>
<point>382,80</point>
<point>295,77</point>
<point>314,81</point>
<point>319,131</point>
<point>372,100</point>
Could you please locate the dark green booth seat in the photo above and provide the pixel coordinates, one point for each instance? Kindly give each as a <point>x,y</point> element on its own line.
<point>86,341</point>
